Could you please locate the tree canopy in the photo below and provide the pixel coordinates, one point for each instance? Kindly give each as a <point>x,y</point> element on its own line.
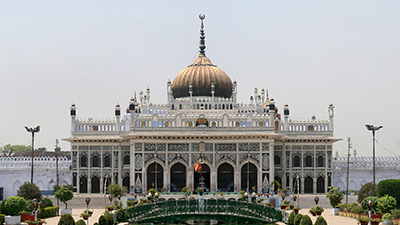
<point>16,148</point>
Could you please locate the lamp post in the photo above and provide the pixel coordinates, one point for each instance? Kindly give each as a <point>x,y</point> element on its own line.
<point>370,204</point>
<point>373,129</point>
<point>33,131</point>
<point>87,200</point>
<point>316,199</point>
<point>105,191</point>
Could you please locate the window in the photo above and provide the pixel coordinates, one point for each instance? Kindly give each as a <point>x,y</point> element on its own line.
<point>1,193</point>
<point>308,161</point>
<point>296,161</point>
<point>95,161</point>
<point>320,162</point>
<point>127,160</point>
<point>107,161</point>
<point>277,160</point>
<point>83,161</point>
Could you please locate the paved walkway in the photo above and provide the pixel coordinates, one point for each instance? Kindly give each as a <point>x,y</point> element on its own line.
<point>327,214</point>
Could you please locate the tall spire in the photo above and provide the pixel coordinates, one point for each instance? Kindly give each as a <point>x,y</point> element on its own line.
<point>202,37</point>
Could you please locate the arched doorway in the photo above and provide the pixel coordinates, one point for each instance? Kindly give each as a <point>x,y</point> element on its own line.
<point>225,176</point>
<point>296,186</point>
<point>178,175</point>
<point>83,185</point>
<point>152,170</point>
<point>206,177</point>
<point>249,175</point>
<point>95,185</point>
<point>126,182</point>
<point>320,185</point>
<point>308,185</point>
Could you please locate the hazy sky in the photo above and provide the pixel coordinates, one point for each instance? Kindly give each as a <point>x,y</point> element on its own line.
<point>98,53</point>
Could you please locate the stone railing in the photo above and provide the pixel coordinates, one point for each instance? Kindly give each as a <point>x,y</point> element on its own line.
<point>365,163</point>
<point>39,163</point>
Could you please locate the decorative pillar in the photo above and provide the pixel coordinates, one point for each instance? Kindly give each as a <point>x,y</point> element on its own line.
<point>73,117</point>
<point>271,163</point>
<point>117,118</point>
<point>331,114</point>
<point>272,113</point>
<point>132,164</point>
<point>286,116</point>
<point>132,112</point>
<point>314,185</point>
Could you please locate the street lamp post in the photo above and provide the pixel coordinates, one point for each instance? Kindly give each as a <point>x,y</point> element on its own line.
<point>33,131</point>
<point>373,129</point>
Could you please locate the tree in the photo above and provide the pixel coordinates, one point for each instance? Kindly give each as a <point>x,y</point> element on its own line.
<point>16,148</point>
<point>115,190</point>
<point>64,194</point>
<point>15,205</point>
<point>368,189</point>
<point>335,196</point>
<point>29,191</point>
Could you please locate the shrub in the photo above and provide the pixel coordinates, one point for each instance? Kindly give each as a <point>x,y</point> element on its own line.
<point>46,203</point>
<point>48,212</point>
<point>64,194</point>
<point>102,220</point>
<point>2,218</point>
<point>29,206</point>
<point>368,189</point>
<point>66,219</point>
<point>184,189</point>
<point>335,196</point>
<point>14,205</point>
<point>96,223</point>
<point>342,206</point>
<point>306,220</point>
<point>386,203</point>
<point>358,209</point>
<point>387,216</point>
<point>153,191</point>
<point>80,222</point>
<point>374,199</point>
<point>3,209</point>
<point>390,187</point>
<point>291,219</point>
<point>297,219</point>
<point>131,202</point>
<point>121,216</point>
<point>321,221</point>
<point>396,213</point>
<point>109,219</point>
<point>29,191</point>
<point>115,190</point>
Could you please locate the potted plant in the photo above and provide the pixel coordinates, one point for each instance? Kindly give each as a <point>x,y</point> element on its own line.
<point>335,197</point>
<point>64,195</point>
<point>387,219</point>
<point>85,215</point>
<point>14,205</point>
<point>317,210</point>
<point>283,206</point>
<point>357,211</point>
<point>375,221</point>
<point>200,191</point>
<point>352,192</point>
<point>296,209</point>
<point>363,221</point>
<point>291,206</point>
<point>111,207</point>
<point>313,211</point>
<point>396,216</point>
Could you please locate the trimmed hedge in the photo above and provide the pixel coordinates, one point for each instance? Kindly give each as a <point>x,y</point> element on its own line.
<point>48,212</point>
<point>291,219</point>
<point>297,219</point>
<point>121,216</point>
<point>15,205</point>
<point>390,187</point>
<point>66,219</point>
<point>2,218</point>
<point>321,221</point>
<point>80,222</point>
<point>306,220</point>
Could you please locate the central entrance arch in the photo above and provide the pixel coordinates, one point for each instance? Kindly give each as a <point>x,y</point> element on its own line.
<point>178,175</point>
<point>225,176</point>
<point>151,176</point>
<point>249,173</point>
<point>206,177</point>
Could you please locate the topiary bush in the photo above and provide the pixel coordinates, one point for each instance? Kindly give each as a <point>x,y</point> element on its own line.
<point>390,187</point>
<point>321,221</point>
<point>15,205</point>
<point>3,209</point>
<point>29,191</point>
<point>109,219</point>
<point>368,189</point>
<point>386,203</point>
<point>64,194</point>
<point>46,203</point>
<point>335,196</point>
<point>48,212</point>
<point>121,216</point>
<point>96,223</point>
<point>297,219</point>
<point>102,220</point>
<point>374,199</point>
<point>291,219</point>
<point>66,219</point>
<point>80,222</point>
<point>306,220</point>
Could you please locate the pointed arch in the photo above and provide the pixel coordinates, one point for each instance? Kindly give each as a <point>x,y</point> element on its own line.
<point>178,173</point>
<point>95,183</point>
<point>16,185</point>
<point>225,175</point>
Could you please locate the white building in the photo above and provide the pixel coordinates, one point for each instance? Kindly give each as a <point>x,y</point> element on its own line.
<point>14,171</point>
<point>243,145</point>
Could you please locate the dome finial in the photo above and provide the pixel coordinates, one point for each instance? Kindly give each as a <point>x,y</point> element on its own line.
<point>202,37</point>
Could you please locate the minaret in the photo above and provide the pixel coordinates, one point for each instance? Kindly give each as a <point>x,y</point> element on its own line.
<point>331,114</point>
<point>234,92</point>
<point>262,95</point>
<point>117,118</point>
<point>132,112</point>
<point>286,116</point>
<point>191,95</point>
<point>212,92</point>
<point>73,117</point>
<point>148,96</point>
<point>255,99</point>
<point>169,93</point>
<point>272,112</point>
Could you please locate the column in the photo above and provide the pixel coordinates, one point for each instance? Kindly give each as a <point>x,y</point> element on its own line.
<point>271,163</point>
<point>133,165</point>
<point>314,185</point>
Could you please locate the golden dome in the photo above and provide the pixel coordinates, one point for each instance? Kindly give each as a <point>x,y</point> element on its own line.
<point>201,74</point>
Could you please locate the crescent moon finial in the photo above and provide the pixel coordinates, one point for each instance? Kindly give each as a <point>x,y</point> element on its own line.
<point>202,16</point>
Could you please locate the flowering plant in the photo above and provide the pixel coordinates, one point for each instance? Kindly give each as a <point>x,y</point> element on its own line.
<point>200,191</point>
